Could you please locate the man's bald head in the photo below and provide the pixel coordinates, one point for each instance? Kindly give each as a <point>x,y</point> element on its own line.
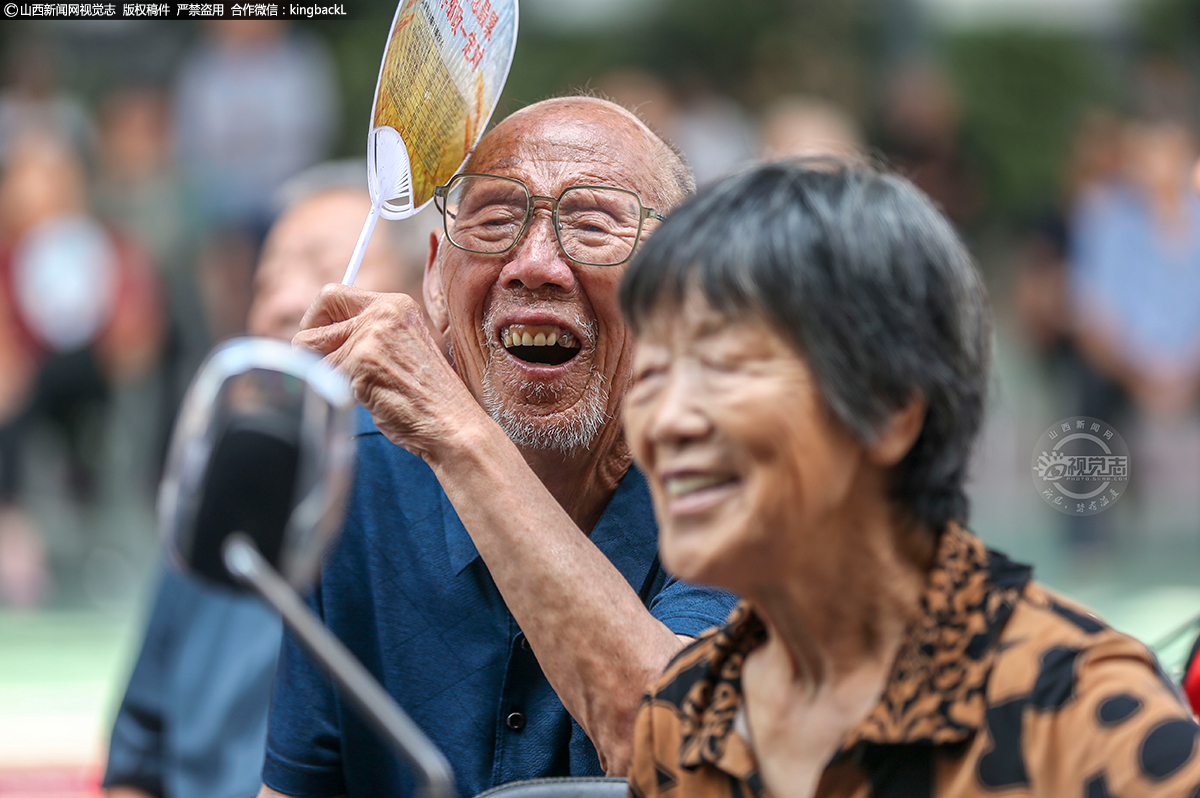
<point>672,172</point>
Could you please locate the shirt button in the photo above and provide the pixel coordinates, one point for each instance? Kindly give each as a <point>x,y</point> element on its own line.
<point>515,721</point>
<point>522,642</point>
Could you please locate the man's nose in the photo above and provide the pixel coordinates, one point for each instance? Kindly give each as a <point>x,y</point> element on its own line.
<point>537,260</point>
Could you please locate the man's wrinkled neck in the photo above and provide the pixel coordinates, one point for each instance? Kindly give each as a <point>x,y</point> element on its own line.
<point>583,481</point>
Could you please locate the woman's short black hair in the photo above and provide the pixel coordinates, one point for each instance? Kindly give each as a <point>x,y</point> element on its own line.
<point>869,282</point>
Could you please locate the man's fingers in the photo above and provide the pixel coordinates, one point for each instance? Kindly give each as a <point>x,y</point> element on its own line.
<point>326,339</point>
<point>336,303</point>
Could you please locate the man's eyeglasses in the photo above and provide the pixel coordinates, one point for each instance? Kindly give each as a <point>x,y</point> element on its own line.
<point>595,225</point>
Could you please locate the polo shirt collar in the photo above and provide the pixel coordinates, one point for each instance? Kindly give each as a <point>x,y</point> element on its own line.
<point>625,533</point>
<point>936,691</point>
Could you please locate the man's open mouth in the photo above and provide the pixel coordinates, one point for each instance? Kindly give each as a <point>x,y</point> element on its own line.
<point>544,344</point>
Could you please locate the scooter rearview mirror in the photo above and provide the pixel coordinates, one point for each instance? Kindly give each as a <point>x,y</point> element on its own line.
<point>262,447</point>
<point>254,488</point>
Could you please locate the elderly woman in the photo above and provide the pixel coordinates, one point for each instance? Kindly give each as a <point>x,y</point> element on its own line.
<point>810,375</point>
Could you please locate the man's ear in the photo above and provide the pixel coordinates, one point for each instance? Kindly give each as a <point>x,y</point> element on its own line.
<point>435,300</point>
<point>899,435</point>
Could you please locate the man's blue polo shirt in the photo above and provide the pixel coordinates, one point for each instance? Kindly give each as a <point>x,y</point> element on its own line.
<point>407,592</point>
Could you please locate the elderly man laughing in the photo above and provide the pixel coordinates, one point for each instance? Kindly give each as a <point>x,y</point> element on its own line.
<point>498,570</point>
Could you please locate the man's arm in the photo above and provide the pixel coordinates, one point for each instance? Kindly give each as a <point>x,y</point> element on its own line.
<point>597,644</point>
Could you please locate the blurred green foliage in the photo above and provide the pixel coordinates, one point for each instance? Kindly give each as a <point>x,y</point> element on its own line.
<point>1023,91</point>
<point>751,51</point>
<point>1023,94</point>
<point>1170,28</point>
<point>357,47</point>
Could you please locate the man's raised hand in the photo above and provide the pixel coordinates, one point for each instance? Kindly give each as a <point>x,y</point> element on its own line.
<point>398,373</point>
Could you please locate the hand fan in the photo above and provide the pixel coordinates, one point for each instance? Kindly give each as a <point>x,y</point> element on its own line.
<point>444,67</point>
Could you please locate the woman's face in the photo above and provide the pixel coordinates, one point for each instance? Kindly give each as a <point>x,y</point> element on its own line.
<point>746,464</point>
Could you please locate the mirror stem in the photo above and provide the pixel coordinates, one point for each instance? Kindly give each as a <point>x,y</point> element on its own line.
<point>247,565</point>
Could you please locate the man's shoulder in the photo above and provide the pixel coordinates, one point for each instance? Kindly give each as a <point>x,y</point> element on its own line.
<point>393,491</point>
<point>377,457</point>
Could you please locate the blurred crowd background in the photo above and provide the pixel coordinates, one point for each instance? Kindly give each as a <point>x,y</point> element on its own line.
<point>140,167</point>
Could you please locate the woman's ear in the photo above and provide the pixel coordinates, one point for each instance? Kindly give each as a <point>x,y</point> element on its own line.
<point>899,435</point>
<point>435,300</point>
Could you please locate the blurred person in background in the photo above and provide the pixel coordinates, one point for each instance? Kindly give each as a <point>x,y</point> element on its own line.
<point>32,106</point>
<point>311,244</point>
<point>1134,291</point>
<point>137,186</point>
<point>193,720</point>
<point>255,103</point>
<point>1135,270</point>
<point>797,126</point>
<point>32,103</point>
<point>84,313</point>
<point>713,132</point>
<point>137,190</point>
<point>922,138</point>
<point>643,92</point>
<point>1041,300</point>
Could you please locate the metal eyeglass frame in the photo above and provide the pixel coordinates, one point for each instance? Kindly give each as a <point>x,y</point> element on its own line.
<point>644,213</point>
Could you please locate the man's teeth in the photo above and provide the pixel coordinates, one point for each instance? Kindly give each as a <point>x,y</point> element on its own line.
<point>680,486</point>
<point>541,335</point>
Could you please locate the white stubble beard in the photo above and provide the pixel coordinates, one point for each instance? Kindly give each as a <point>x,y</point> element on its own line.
<point>570,430</point>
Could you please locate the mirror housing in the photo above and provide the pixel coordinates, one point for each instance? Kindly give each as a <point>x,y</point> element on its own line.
<point>262,446</point>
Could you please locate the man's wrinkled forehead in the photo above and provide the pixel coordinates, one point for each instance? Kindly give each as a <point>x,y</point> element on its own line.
<point>507,162</point>
<point>605,142</point>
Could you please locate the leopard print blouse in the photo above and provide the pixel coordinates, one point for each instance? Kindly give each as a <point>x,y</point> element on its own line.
<point>1002,689</point>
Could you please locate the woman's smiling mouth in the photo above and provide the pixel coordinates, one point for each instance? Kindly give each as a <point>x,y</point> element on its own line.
<point>686,484</point>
